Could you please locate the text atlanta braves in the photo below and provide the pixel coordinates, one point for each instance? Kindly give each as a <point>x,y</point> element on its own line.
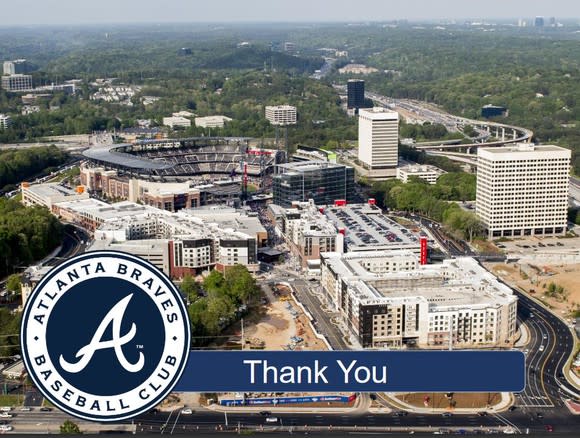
<point>157,292</point>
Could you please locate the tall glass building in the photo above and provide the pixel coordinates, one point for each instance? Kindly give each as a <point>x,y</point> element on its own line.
<point>321,181</point>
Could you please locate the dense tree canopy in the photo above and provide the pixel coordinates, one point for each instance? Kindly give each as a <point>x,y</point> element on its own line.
<point>17,165</point>
<point>226,297</point>
<point>26,234</point>
<point>437,202</point>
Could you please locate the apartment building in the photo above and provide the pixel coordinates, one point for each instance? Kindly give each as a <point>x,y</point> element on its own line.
<point>387,300</point>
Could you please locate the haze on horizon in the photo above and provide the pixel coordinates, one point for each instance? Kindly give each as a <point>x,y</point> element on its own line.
<point>70,12</point>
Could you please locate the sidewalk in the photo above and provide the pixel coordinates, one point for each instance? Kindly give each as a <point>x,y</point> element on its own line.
<point>572,406</point>
<point>524,336</point>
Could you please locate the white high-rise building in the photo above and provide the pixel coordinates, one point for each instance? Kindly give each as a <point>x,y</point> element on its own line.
<point>5,121</point>
<point>18,66</point>
<point>281,115</point>
<point>17,82</point>
<point>378,141</point>
<point>522,190</point>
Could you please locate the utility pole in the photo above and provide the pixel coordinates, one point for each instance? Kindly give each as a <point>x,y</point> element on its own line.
<point>243,342</point>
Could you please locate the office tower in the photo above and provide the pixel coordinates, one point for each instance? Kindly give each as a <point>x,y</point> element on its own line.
<point>522,190</point>
<point>16,67</point>
<point>17,82</point>
<point>355,93</point>
<point>321,181</point>
<point>539,22</point>
<point>378,141</point>
<point>281,115</point>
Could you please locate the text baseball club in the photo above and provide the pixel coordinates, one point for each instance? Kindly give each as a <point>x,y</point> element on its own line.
<point>102,403</point>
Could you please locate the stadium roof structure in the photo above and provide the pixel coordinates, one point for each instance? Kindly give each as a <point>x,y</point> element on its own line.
<point>110,155</point>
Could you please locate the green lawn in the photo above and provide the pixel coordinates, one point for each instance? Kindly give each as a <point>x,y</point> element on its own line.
<point>10,400</point>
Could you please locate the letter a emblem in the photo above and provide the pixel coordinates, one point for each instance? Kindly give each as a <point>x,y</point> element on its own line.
<point>85,354</point>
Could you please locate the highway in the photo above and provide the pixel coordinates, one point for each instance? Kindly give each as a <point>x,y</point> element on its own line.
<point>74,242</point>
<point>208,420</point>
<point>427,112</point>
<point>551,344</point>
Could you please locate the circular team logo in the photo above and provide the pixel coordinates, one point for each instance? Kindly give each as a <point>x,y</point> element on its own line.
<point>105,336</point>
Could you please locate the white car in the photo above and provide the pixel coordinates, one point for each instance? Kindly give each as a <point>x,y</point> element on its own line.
<point>271,420</point>
<point>25,409</point>
<point>186,411</point>
<point>5,427</point>
<point>5,415</point>
<point>5,409</point>
<point>541,348</point>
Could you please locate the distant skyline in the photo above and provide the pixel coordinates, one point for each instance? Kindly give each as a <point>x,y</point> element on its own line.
<point>30,12</point>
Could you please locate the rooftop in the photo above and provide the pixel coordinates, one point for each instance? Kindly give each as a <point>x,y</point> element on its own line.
<point>455,282</point>
<point>307,166</point>
<point>378,113</point>
<point>421,168</point>
<point>109,154</point>
<point>366,228</point>
<point>521,148</point>
<point>51,189</point>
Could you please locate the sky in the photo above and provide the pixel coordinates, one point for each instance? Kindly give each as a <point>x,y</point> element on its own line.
<point>30,12</point>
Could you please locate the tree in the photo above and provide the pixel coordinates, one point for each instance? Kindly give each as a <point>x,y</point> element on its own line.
<point>189,287</point>
<point>240,285</point>
<point>13,284</point>
<point>213,283</point>
<point>69,428</point>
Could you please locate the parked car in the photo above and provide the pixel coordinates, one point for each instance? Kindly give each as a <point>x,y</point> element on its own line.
<point>186,411</point>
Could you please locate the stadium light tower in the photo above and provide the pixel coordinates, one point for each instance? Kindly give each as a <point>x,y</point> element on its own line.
<point>282,115</point>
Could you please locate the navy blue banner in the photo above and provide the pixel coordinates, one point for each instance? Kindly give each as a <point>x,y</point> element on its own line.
<point>354,371</point>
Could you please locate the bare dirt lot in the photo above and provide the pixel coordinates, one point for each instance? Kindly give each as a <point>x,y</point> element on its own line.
<point>536,281</point>
<point>282,321</point>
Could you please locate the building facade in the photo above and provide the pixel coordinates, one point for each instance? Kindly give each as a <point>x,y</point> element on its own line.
<point>174,121</point>
<point>212,121</point>
<point>355,94</point>
<point>323,182</point>
<point>165,196</point>
<point>5,121</point>
<point>16,67</point>
<point>178,243</point>
<point>48,194</point>
<point>281,115</point>
<point>378,141</point>
<point>17,82</point>
<point>309,233</point>
<point>387,300</point>
<point>522,190</point>
<point>424,171</point>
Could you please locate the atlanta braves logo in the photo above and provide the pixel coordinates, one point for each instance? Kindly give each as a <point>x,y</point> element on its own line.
<point>105,336</point>
<point>115,316</point>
